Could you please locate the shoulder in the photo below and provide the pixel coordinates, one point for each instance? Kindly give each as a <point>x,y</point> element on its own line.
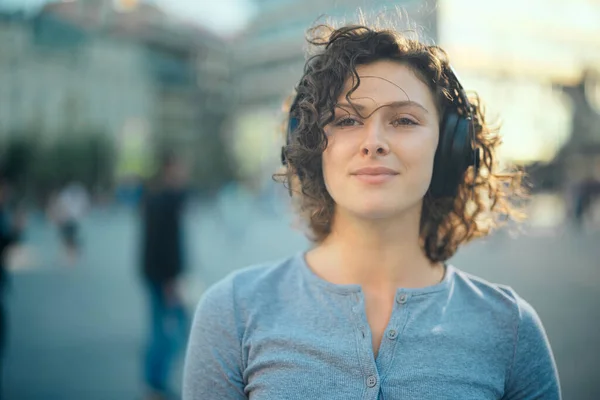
<point>502,309</point>
<point>501,304</point>
<point>251,285</point>
<point>512,328</point>
<point>499,297</point>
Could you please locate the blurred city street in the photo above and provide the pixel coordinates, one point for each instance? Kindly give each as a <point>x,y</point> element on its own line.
<point>106,105</point>
<point>78,332</point>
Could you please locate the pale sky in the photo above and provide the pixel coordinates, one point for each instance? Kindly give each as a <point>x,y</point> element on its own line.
<point>539,38</point>
<point>220,16</point>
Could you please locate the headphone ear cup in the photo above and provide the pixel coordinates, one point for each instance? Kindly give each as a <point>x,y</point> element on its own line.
<point>292,126</point>
<point>462,151</point>
<point>453,156</point>
<point>442,163</point>
<point>293,123</point>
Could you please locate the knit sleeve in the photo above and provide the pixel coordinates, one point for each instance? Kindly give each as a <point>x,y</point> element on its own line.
<point>533,373</point>
<point>213,365</point>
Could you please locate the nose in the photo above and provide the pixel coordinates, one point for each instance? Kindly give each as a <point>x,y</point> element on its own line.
<point>374,144</point>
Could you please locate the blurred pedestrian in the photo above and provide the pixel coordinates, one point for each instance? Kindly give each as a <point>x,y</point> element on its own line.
<point>587,193</point>
<point>162,266</point>
<point>393,168</point>
<point>10,232</point>
<point>67,209</point>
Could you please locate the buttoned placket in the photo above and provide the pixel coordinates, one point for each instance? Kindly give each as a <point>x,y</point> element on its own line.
<point>389,347</point>
<point>374,370</point>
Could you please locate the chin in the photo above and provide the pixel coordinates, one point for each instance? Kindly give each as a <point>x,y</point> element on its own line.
<point>377,205</point>
<point>384,209</point>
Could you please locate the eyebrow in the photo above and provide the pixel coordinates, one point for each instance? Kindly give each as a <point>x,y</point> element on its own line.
<point>394,104</point>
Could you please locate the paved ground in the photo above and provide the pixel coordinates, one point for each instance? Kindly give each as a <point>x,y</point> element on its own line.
<point>77,333</point>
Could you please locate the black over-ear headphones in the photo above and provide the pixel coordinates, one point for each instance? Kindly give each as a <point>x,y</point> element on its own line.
<point>456,149</point>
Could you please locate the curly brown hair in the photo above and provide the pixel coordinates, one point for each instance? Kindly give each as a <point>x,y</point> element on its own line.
<point>484,198</point>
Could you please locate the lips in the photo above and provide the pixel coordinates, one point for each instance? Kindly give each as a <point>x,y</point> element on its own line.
<point>374,171</point>
<point>374,175</point>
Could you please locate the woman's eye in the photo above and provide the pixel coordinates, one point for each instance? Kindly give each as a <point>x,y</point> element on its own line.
<point>346,121</point>
<point>403,121</point>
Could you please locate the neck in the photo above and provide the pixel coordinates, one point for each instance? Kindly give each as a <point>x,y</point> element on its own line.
<point>376,254</point>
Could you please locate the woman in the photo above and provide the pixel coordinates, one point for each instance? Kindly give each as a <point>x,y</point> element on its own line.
<point>393,169</point>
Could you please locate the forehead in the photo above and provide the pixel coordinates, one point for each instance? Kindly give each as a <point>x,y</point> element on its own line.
<point>384,82</point>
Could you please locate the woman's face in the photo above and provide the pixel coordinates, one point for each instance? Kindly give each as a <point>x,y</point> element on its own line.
<point>378,162</point>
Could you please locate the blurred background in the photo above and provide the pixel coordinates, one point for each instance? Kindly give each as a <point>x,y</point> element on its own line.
<point>95,95</point>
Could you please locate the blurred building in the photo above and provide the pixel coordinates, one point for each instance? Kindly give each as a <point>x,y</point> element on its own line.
<point>270,57</point>
<point>120,67</point>
<point>578,160</point>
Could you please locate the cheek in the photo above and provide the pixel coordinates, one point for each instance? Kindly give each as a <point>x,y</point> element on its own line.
<point>334,163</point>
<point>418,151</point>
<point>329,168</point>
